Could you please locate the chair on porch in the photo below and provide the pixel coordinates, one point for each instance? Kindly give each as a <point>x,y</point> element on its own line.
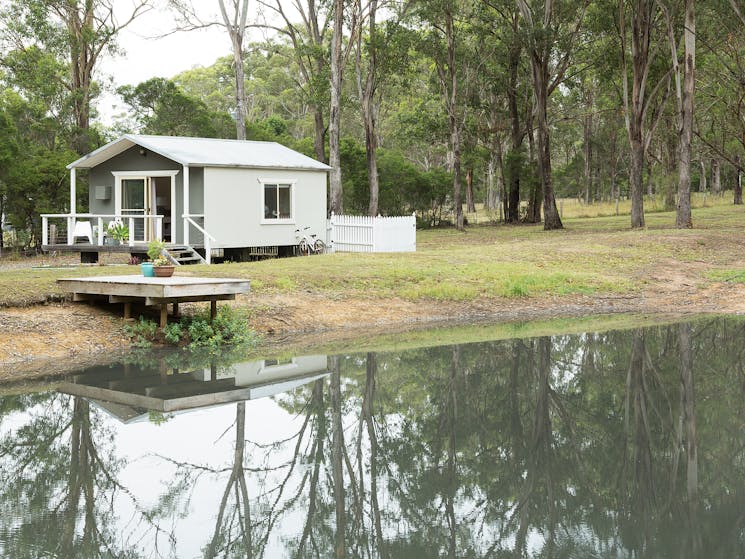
<point>82,229</point>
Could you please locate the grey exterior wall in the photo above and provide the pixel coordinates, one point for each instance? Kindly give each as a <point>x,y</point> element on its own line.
<point>129,160</point>
<point>234,206</point>
<point>231,199</point>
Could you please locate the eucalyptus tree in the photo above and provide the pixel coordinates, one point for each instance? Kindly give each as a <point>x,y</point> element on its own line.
<point>309,40</point>
<point>234,18</point>
<point>644,104</point>
<point>78,32</point>
<point>552,30</point>
<point>444,25</point>
<point>507,83</point>
<point>684,94</point>
<point>720,122</point>
<point>160,107</point>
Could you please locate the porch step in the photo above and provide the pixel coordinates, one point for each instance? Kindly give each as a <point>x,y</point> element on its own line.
<point>183,254</point>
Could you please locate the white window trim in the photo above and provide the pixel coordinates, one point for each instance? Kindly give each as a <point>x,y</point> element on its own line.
<point>119,175</point>
<point>263,220</point>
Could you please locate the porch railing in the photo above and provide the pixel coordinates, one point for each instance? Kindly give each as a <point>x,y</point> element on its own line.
<point>52,230</point>
<point>208,239</point>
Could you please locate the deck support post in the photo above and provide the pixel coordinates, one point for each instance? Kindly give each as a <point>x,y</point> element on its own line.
<point>127,310</point>
<point>163,315</point>
<point>175,310</point>
<point>213,310</point>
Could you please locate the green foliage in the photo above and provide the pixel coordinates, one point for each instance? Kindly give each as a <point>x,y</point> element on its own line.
<point>155,248</point>
<point>118,230</point>
<point>160,107</point>
<point>173,333</point>
<point>142,333</point>
<point>197,332</point>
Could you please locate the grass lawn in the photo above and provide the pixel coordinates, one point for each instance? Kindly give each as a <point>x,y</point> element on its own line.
<point>598,255</point>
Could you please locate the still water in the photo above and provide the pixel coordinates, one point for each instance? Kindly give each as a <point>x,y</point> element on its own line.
<point>607,444</point>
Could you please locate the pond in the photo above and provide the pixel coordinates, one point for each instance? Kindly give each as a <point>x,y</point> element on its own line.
<point>626,443</point>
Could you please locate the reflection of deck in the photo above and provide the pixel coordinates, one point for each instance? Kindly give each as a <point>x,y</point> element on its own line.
<point>154,291</point>
<point>129,393</point>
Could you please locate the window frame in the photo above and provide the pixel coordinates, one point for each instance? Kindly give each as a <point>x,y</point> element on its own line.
<point>263,220</point>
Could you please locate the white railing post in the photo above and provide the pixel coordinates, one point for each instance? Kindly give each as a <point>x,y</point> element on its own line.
<point>70,228</point>
<point>207,249</point>
<point>186,204</point>
<point>159,228</point>
<point>73,192</point>
<point>44,231</point>
<point>131,226</point>
<point>100,231</point>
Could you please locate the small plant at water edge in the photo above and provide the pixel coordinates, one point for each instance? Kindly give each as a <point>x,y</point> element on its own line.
<point>142,333</point>
<point>196,332</point>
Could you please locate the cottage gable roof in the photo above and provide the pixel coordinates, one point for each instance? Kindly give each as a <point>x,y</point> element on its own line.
<point>206,152</point>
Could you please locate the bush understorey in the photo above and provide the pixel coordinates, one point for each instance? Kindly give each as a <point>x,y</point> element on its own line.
<point>196,332</point>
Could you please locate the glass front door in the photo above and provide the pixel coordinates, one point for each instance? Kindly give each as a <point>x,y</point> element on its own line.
<point>135,201</point>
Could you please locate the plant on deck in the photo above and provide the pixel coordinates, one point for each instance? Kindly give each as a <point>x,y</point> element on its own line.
<point>119,231</point>
<point>155,250</point>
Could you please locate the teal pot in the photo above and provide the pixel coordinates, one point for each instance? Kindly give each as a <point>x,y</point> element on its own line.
<point>147,269</point>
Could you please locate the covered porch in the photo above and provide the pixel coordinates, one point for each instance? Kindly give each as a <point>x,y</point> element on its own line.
<point>145,194</point>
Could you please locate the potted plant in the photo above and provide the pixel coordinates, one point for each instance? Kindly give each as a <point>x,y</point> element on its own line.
<point>154,250</point>
<point>118,232</point>
<point>163,267</point>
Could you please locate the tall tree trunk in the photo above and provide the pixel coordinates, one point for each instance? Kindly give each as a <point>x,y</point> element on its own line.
<point>636,106</point>
<point>702,182</point>
<point>337,74</point>
<point>683,217</point>
<point>470,203</point>
<point>587,128</point>
<point>551,218</point>
<point>738,185</point>
<point>236,30</point>
<point>449,80</point>
<point>512,215</point>
<point>319,137</point>
<point>636,179</point>
<point>366,91</point>
<point>716,176</point>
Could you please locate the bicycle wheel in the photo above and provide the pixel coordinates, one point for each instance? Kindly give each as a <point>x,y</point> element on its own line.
<point>319,246</point>
<point>303,247</point>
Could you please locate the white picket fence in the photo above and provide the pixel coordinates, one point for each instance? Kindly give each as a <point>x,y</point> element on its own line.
<point>353,233</point>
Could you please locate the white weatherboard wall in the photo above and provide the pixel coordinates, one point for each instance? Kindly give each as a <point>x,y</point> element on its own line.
<point>352,233</point>
<point>234,206</point>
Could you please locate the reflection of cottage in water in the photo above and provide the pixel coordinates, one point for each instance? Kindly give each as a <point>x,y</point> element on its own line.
<point>128,392</point>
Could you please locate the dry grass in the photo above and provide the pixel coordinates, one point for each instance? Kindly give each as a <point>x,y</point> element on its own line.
<point>590,256</point>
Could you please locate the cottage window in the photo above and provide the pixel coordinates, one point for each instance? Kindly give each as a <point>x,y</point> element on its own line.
<point>277,201</point>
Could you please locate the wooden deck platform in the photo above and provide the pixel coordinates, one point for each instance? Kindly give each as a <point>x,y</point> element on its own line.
<point>155,291</point>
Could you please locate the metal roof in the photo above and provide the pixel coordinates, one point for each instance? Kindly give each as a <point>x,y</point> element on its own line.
<point>206,152</point>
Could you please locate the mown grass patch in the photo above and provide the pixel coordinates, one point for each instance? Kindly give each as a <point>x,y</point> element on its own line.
<point>730,276</point>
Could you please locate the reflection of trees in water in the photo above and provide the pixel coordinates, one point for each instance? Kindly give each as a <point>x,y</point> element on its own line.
<point>607,444</point>
<point>59,466</point>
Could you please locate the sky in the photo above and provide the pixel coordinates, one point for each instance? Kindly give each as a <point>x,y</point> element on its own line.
<point>147,53</point>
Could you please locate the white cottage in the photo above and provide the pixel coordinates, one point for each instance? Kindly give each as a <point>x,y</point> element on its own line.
<point>204,197</point>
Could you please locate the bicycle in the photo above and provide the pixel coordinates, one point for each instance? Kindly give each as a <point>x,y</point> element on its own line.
<point>308,245</point>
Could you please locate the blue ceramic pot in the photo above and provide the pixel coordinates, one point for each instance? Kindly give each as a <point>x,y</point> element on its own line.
<point>147,269</point>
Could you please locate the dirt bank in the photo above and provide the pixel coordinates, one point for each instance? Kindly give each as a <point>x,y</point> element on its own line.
<point>75,334</point>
